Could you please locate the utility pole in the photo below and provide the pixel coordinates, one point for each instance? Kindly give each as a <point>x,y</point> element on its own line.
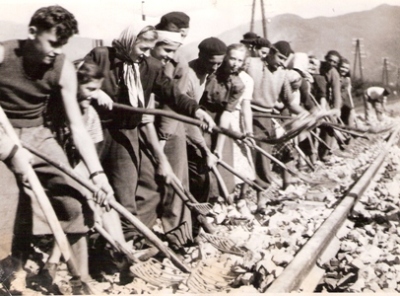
<point>358,59</point>
<point>264,19</point>
<point>385,72</point>
<point>398,80</point>
<point>253,11</point>
<point>143,15</point>
<point>97,42</point>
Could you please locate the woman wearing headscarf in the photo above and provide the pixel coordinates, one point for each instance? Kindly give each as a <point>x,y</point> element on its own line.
<point>130,79</point>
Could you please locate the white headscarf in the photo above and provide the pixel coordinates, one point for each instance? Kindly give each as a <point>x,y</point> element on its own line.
<point>300,62</point>
<point>172,38</point>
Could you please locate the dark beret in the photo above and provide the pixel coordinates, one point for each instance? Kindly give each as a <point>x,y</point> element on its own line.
<point>180,19</point>
<point>262,42</point>
<point>212,46</point>
<point>249,37</point>
<point>283,47</point>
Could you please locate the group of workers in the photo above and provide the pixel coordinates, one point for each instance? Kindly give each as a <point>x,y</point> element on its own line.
<point>72,113</point>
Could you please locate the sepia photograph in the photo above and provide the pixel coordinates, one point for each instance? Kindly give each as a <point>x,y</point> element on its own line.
<point>199,147</point>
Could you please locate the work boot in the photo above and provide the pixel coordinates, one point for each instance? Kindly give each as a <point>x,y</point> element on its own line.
<point>80,287</point>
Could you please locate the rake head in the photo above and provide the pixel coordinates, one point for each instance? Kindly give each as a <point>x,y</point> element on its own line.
<point>343,154</point>
<point>202,208</point>
<point>223,244</point>
<point>209,278</point>
<point>157,273</point>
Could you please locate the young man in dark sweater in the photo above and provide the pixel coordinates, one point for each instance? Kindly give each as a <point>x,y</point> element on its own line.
<point>31,71</point>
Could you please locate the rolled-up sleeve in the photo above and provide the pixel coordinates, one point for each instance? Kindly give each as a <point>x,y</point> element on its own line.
<point>6,144</point>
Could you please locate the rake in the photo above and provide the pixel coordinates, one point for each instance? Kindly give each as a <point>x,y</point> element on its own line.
<point>223,244</point>
<point>143,229</point>
<point>282,165</point>
<point>343,129</point>
<point>201,209</point>
<point>158,274</point>
<point>208,278</point>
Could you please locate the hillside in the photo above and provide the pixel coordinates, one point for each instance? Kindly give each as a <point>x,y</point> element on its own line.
<point>379,28</point>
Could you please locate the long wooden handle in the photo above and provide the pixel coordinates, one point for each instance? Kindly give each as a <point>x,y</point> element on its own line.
<point>222,184</point>
<point>302,155</point>
<point>202,220</point>
<point>45,205</point>
<point>272,158</point>
<point>146,232</point>
<point>228,132</point>
<point>142,228</point>
<point>281,164</point>
<point>239,175</point>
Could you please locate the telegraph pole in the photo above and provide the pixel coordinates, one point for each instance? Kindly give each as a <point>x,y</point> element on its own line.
<point>253,11</point>
<point>143,15</point>
<point>358,59</point>
<point>97,42</point>
<point>398,79</point>
<point>264,19</point>
<point>385,72</point>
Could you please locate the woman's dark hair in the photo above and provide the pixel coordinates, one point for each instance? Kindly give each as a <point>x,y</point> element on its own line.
<point>49,17</point>
<point>89,71</point>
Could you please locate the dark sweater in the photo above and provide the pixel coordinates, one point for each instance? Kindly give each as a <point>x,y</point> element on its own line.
<point>153,81</point>
<point>24,89</point>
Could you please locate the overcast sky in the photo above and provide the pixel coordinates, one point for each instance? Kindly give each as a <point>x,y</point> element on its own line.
<point>106,18</point>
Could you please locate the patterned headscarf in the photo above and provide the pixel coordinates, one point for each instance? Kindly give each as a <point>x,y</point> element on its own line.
<point>124,47</point>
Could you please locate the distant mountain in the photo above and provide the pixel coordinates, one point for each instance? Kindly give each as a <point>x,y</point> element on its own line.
<point>379,28</point>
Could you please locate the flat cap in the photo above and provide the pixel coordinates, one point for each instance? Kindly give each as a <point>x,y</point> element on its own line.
<point>283,47</point>
<point>178,18</point>
<point>249,37</point>
<point>262,42</point>
<point>212,46</point>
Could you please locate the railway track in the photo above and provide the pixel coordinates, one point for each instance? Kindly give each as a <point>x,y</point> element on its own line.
<point>286,249</point>
<point>315,252</point>
<point>289,247</point>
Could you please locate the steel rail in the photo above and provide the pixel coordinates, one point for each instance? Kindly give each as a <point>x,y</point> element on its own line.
<point>298,269</point>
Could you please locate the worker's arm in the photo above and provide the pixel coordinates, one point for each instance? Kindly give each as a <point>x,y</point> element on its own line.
<point>82,140</point>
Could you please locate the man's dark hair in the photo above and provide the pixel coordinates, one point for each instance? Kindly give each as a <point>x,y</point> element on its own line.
<point>386,92</point>
<point>334,53</point>
<point>49,17</point>
<point>261,42</point>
